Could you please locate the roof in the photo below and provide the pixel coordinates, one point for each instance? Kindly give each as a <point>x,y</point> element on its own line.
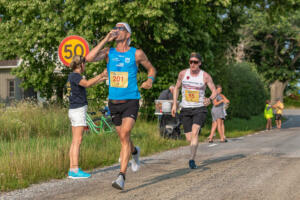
<point>8,64</point>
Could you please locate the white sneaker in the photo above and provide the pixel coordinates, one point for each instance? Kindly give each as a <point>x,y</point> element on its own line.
<point>119,183</point>
<point>135,162</point>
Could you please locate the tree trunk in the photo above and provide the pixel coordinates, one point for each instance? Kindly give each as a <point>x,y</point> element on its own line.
<point>276,90</point>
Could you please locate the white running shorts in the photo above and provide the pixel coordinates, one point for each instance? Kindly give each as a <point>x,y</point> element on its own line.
<point>77,116</point>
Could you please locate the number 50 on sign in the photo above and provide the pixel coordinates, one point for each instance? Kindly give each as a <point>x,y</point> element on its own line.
<point>71,46</point>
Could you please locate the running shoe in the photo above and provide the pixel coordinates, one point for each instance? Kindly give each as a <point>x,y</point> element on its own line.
<point>135,163</point>
<point>225,140</point>
<point>119,183</point>
<point>192,164</point>
<point>79,175</point>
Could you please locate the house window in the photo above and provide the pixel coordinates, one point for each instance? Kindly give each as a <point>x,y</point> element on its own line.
<point>11,88</point>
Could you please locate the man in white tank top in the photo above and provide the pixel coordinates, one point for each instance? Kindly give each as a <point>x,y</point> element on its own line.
<point>193,82</point>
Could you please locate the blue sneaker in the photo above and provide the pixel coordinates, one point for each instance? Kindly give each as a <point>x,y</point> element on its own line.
<point>192,164</point>
<point>79,175</point>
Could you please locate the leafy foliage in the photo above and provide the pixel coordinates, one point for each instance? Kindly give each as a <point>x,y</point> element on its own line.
<point>275,47</point>
<point>245,89</point>
<point>166,30</point>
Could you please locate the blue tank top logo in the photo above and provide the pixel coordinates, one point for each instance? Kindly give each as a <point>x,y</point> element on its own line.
<point>127,60</point>
<point>122,74</point>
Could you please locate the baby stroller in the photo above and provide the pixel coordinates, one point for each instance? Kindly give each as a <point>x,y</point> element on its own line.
<point>169,127</point>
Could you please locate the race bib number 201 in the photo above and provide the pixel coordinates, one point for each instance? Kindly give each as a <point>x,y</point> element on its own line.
<point>192,96</point>
<point>119,79</point>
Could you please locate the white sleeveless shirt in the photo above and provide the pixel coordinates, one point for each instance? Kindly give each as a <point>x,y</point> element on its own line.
<point>193,90</point>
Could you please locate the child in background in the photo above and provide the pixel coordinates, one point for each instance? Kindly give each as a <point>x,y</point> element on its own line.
<point>279,108</point>
<point>268,113</point>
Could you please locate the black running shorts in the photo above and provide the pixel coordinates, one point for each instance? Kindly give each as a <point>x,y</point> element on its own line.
<point>119,111</point>
<point>192,116</point>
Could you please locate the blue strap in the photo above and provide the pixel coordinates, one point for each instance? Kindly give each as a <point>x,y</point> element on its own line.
<point>152,78</point>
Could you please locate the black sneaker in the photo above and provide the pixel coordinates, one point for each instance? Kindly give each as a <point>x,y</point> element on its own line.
<point>192,164</point>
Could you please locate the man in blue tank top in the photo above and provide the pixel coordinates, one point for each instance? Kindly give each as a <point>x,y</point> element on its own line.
<point>122,67</point>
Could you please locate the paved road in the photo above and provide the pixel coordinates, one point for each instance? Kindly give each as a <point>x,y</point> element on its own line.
<point>264,165</point>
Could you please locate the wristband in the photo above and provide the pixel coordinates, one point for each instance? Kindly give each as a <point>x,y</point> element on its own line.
<point>152,78</point>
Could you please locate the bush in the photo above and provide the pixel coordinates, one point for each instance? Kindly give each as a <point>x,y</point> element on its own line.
<point>245,89</point>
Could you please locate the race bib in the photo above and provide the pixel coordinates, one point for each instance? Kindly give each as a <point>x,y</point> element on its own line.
<point>192,96</point>
<point>119,79</point>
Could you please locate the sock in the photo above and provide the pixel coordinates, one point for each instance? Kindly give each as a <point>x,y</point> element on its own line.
<point>74,169</point>
<point>135,151</point>
<point>193,151</point>
<point>121,173</point>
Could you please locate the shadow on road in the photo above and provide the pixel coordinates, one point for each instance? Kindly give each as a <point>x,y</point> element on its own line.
<point>184,171</point>
<point>143,162</point>
<point>106,169</point>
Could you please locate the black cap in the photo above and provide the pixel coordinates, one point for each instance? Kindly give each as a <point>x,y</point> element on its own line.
<point>196,55</point>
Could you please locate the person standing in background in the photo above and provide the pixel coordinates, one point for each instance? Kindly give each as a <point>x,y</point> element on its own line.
<point>76,92</point>
<point>218,114</point>
<point>268,113</point>
<point>167,94</point>
<point>278,106</point>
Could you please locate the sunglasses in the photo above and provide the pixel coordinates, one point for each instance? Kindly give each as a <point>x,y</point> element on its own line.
<point>120,28</point>
<point>194,61</point>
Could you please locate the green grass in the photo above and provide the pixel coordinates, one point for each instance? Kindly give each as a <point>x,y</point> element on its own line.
<point>292,102</point>
<point>34,143</point>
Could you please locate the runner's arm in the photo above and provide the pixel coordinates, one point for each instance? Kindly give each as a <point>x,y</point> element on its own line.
<point>177,86</point>
<point>141,58</point>
<point>176,91</point>
<point>99,52</point>
<point>211,86</point>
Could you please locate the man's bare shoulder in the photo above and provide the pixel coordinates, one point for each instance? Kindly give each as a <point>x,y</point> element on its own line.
<point>205,73</point>
<point>206,76</point>
<point>140,56</point>
<point>139,52</point>
<point>182,72</point>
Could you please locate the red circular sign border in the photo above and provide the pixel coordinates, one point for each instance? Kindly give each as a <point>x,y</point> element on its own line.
<point>86,45</point>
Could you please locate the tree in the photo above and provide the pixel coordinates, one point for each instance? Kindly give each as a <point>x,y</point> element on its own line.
<point>275,46</point>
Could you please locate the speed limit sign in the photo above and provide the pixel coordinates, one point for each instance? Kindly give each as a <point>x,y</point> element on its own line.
<point>71,46</point>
